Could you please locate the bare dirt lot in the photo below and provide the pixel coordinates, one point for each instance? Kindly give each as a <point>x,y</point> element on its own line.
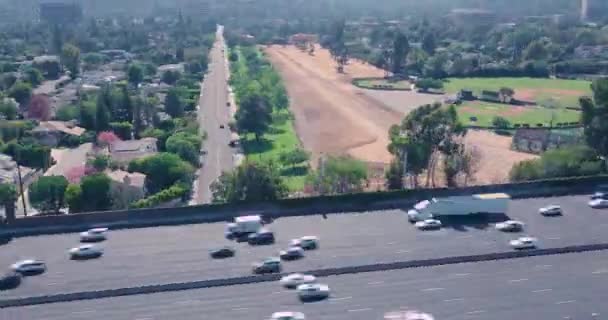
<point>334,117</point>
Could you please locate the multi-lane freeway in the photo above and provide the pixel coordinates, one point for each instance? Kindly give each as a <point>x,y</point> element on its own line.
<point>180,253</point>
<point>213,112</point>
<point>570,286</point>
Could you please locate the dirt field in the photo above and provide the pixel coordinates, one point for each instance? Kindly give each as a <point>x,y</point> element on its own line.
<point>333,116</point>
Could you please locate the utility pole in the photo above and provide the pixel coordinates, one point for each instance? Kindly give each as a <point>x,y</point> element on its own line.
<point>21,189</point>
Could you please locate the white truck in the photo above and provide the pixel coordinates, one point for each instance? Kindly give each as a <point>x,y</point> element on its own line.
<point>459,206</point>
<point>244,225</point>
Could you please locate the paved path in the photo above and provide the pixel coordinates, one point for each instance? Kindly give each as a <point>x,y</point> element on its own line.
<point>213,112</point>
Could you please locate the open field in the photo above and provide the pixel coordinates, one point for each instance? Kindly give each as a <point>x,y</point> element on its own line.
<point>486,111</point>
<point>560,92</point>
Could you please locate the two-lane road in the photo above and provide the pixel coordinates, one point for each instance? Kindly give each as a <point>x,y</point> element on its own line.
<point>212,113</point>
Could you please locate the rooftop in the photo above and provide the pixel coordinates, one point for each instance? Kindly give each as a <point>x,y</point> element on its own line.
<point>135,179</point>
<point>61,126</point>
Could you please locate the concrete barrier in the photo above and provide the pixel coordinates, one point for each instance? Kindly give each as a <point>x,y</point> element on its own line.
<point>149,289</point>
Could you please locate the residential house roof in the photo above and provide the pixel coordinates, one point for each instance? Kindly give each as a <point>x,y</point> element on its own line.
<point>42,59</point>
<point>128,150</point>
<point>59,126</point>
<point>135,179</point>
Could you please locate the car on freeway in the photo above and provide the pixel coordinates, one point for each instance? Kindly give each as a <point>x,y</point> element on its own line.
<point>313,291</point>
<point>30,266</point>
<point>510,226</point>
<point>598,203</point>
<point>306,242</point>
<point>221,126</point>
<point>523,243</point>
<point>223,252</point>
<point>599,195</point>
<point>270,265</point>
<point>87,251</point>
<point>295,279</point>
<point>10,280</point>
<point>94,235</point>
<point>292,253</point>
<point>552,210</point>
<point>263,236</point>
<point>288,315</point>
<point>428,224</point>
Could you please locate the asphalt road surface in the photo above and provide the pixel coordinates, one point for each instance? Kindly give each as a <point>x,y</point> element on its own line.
<point>570,286</point>
<point>180,253</point>
<point>213,112</point>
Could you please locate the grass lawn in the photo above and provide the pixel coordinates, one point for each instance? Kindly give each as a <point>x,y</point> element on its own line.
<point>485,113</point>
<point>370,83</point>
<point>564,92</point>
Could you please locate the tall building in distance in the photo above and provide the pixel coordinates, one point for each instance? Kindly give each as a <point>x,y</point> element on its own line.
<point>60,12</point>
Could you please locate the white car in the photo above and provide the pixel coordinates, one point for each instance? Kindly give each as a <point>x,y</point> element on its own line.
<point>306,243</point>
<point>94,235</point>
<point>313,291</point>
<point>428,224</point>
<point>295,279</point>
<point>292,253</point>
<point>86,251</point>
<point>552,210</point>
<point>29,266</point>
<point>598,203</point>
<point>510,226</point>
<point>288,315</point>
<point>524,243</point>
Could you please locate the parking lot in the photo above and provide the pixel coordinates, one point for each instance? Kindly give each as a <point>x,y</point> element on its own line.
<point>180,253</point>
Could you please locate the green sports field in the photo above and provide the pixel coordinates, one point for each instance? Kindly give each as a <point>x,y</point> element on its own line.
<point>486,111</point>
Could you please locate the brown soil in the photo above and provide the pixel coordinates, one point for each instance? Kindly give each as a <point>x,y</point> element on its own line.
<point>531,94</point>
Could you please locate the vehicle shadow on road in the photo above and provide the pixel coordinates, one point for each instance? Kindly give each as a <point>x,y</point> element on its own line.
<point>477,222</point>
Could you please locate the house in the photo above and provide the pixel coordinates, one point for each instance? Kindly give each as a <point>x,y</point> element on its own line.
<point>302,38</point>
<point>540,140</point>
<point>126,188</point>
<point>50,133</point>
<point>491,96</point>
<point>126,151</point>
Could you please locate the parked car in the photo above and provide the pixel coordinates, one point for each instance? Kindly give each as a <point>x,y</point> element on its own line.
<point>553,210</point>
<point>261,237</point>
<point>510,226</point>
<point>295,279</point>
<point>94,235</point>
<point>10,280</point>
<point>306,242</point>
<point>292,253</point>
<point>270,265</point>
<point>310,291</point>
<point>288,315</point>
<point>428,224</point>
<point>87,251</point>
<point>598,203</point>
<point>28,267</point>
<point>524,243</point>
<point>224,252</point>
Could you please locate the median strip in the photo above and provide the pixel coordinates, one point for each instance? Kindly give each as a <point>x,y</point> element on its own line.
<point>149,289</point>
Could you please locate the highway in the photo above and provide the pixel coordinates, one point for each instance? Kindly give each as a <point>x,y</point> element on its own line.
<point>570,286</point>
<point>180,253</point>
<point>213,112</point>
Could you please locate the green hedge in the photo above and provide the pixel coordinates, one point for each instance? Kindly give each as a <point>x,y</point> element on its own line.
<point>163,196</point>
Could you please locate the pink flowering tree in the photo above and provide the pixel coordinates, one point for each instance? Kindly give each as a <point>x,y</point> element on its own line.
<point>76,173</point>
<point>106,138</point>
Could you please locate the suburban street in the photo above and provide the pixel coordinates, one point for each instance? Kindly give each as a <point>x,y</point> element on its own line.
<point>181,253</point>
<point>569,286</point>
<point>213,112</point>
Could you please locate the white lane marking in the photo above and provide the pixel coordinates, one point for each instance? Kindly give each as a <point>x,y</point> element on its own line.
<point>553,238</point>
<point>432,289</point>
<point>184,302</point>
<point>52,284</point>
<point>518,280</point>
<point>476,312</point>
<point>542,290</point>
<point>239,309</point>
<point>145,318</point>
<point>460,274</point>
<point>391,243</point>
<point>360,310</point>
<point>564,302</point>
<point>375,282</point>
<point>600,271</point>
<point>404,251</point>
<point>453,300</point>
<point>83,312</point>
<point>542,266</point>
<point>277,292</point>
<point>466,237</point>
<point>340,299</point>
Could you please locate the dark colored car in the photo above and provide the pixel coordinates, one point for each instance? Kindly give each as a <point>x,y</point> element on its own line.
<point>600,195</point>
<point>10,280</point>
<point>225,252</point>
<point>261,237</point>
<point>221,126</point>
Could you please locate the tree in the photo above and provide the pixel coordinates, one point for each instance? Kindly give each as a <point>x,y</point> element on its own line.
<point>401,48</point>
<point>106,138</point>
<point>429,43</point>
<point>135,74</point>
<point>8,109</point>
<point>425,84</point>
<point>294,157</point>
<point>501,123</point>
<point>436,66</point>
<point>102,113</point>
<point>506,94</point>
<point>21,92</point>
<point>28,154</point>
<point>254,115</point>
<point>179,53</point>
<point>337,46</point>
<point>73,198</point>
<point>566,162</point>
<point>185,145</point>
<point>8,194</point>
<point>70,58</point>
<point>95,192</point>
<point>252,182</point>
<point>173,104</point>
<point>394,175</point>
<point>595,117</point>
<point>50,68</point>
<point>33,76</point>
<point>536,50</point>
<point>339,175</point>
<point>39,108</point>
<point>170,76</point>
<point>163,170</point>
<point>100,163</point>
<point>122,103</point>
<point>122,129</point>
<point>47,193</point>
